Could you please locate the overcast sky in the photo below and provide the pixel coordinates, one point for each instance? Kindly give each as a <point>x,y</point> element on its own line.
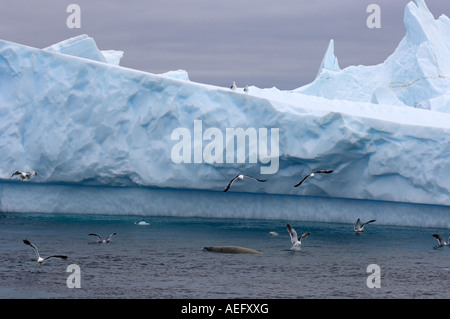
<point>253,42</point>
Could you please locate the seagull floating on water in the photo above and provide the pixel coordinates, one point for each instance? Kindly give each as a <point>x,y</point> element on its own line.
<point>241,177</point>
<point>273,234</point>
<point>296,241</point>
<point>312,175</point>
<point>101,240</point>
<point>142,223</point>
<point>360,227</point>
<point>40,260</point>
<point>441,241</point>
<point>233,87</point>
<point>24,175</point>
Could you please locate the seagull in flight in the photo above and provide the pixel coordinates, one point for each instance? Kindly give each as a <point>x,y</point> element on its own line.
<point>241,177</point>
<point>296,241</point>
<point>40,260</point>
<point>101,240</point>
<point>312,175</point>
<point>441,241</point>
<point>24,175</point>
<point>360,227</point>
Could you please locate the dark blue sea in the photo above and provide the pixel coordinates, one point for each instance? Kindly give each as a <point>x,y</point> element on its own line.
<point>165,259</point>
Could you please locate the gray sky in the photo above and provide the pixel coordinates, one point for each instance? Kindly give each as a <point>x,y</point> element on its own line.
<point>253,42</point>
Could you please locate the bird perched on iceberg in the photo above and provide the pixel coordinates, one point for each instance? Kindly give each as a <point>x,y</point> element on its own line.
<point>233,87</point>
<point>24,175</point>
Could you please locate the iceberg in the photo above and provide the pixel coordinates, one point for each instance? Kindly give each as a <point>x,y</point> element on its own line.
<point>417,72</point>
<point>108,139</point>
<point>85,47</point>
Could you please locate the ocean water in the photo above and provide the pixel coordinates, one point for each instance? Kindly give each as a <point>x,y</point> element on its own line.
<point>165,259</point>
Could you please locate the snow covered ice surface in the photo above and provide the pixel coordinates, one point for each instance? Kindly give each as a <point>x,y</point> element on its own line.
<point>101,138</point>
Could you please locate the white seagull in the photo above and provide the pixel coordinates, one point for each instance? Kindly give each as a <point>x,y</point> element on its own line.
<point>40,260</point>
<point>233,87</point>
<point>312,175</point>
<point>360,227</point>
<point>101,240</point>
<point>246,89</point>
<point>142,223</point>
<point>296,241</point>
<point>273,234</point>
<point>24,175</point>
<point>441,241</point>
<point>241,177</point>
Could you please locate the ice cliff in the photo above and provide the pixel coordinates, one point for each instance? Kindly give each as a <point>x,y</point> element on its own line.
<point>78,118</point>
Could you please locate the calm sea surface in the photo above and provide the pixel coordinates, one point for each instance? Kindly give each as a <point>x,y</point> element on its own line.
<point>165,259</point>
